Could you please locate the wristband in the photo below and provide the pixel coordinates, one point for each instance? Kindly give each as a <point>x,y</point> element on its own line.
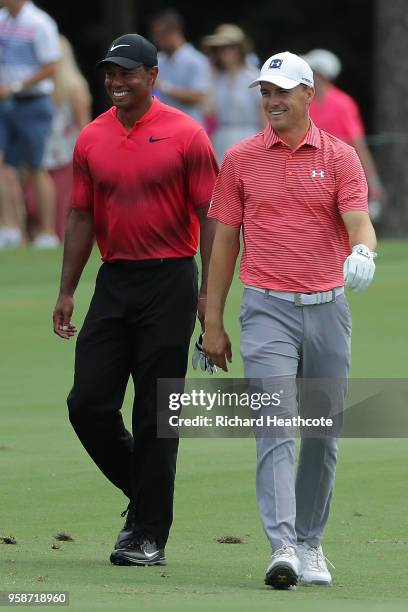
<point>362,249</point>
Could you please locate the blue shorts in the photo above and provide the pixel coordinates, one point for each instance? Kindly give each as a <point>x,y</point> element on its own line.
<point>24,126</point>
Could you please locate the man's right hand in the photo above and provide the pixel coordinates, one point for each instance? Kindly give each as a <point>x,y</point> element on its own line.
<point>359,268</point>
<point>62,317</point>
<point>217,345</point>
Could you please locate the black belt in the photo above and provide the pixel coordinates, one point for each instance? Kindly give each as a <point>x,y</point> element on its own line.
<point>134,264</point>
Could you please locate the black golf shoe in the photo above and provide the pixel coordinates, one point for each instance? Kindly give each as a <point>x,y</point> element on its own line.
<point>140,551</point>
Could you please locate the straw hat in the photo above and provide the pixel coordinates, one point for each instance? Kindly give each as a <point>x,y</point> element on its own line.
<point>225,35</point>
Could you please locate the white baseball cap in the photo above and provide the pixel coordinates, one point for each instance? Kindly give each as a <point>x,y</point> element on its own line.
<point>285,70</point>
<point>324,62</point>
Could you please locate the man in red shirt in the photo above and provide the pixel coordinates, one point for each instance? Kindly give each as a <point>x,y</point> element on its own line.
<point>300,197</point>
<point>143,177</point>
<point>334,111</point>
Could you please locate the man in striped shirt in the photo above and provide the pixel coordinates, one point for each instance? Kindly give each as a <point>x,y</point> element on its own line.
<point>300,197</point>
<point>29,52</point>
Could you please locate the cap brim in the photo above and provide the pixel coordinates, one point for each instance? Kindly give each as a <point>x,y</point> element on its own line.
<point>124,62</point>
<point>278,80</point>
<point>214,41</point>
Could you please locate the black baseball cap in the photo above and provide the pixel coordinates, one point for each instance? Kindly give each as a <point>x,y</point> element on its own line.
<point>131,51</point>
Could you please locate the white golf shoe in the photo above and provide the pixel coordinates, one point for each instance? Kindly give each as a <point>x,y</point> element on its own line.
<point>313,568</point>
<point>283,572</point>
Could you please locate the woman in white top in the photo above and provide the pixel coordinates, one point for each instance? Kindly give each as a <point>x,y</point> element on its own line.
<point>234,111</point>
<point>72,102</point>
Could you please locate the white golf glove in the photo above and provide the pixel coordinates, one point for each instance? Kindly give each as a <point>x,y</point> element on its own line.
<point>200,358</point>
<point>359,268</point>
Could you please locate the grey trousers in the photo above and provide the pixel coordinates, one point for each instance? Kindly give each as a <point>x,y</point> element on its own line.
<point>280,339</point>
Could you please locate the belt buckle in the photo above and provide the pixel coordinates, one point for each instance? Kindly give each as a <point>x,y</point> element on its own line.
<point>298,299</point>
<point>327,299</point>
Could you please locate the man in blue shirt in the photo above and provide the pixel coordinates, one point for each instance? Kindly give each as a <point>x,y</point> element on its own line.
<point>184,72</point>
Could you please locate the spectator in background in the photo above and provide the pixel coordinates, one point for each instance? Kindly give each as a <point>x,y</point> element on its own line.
<point>72,102</point>
<point>12,208</point>
<point>29,51</point>
<point>184,72</point>
<point>336,112</point>
<point>235,109</point>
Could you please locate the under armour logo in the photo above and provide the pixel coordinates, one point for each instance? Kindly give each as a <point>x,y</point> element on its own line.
<point>276,63</point>
<point>315,173</point>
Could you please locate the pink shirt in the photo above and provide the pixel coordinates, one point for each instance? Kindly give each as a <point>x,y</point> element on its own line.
<point>338,114</point>
<point>289,204</point>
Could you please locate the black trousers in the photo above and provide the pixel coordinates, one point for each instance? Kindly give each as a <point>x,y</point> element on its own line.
<point>139,324</point>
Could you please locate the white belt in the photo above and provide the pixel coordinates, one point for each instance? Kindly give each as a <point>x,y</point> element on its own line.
<point>302,299</point>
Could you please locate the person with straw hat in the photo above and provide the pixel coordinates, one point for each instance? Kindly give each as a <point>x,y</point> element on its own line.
<point>235,109</point>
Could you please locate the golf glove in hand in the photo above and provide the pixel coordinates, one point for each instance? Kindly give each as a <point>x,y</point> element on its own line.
<point>359,268</point>
<point>201,359</point>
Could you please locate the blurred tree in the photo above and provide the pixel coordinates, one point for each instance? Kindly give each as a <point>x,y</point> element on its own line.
<point>118,17</point>
<point>391,109</point>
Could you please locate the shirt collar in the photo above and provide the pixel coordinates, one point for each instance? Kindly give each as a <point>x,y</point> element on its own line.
<point>150,114</point>
<point>27,6</point>
<point>311,139</point>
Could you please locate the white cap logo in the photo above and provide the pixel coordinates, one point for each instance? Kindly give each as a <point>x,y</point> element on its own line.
<point>285,70</point>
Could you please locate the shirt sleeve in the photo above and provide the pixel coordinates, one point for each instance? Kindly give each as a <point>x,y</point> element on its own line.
<point>82,188</point>
<point>46,42</point>
<point>201,169</point>
<point>227,203</point>
<point>351,183</point>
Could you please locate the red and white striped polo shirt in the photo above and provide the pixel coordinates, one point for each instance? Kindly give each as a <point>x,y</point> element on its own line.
<point>289,204</point>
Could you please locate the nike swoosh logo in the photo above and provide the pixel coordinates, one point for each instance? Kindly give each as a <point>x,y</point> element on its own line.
<point>117,47</point>
<point>150,555</point>
<point>151,139</point>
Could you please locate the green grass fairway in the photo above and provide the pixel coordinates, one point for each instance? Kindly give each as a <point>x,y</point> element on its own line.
<point>49,484</point>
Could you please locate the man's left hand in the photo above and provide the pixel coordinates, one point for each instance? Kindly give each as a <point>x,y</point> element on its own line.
<point>217,346</point>
<point>200,359</point>
<point>359,268</point>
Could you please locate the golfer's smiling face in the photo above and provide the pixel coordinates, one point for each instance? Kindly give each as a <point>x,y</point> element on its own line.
<point>128,88</point>
<point>285,108</point>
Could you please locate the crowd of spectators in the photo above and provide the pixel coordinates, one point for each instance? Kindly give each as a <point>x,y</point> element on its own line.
<point>45,101</point>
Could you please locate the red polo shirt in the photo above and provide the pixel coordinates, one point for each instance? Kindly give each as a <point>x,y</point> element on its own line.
<point>145,184</point>
<point>289,204</point>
